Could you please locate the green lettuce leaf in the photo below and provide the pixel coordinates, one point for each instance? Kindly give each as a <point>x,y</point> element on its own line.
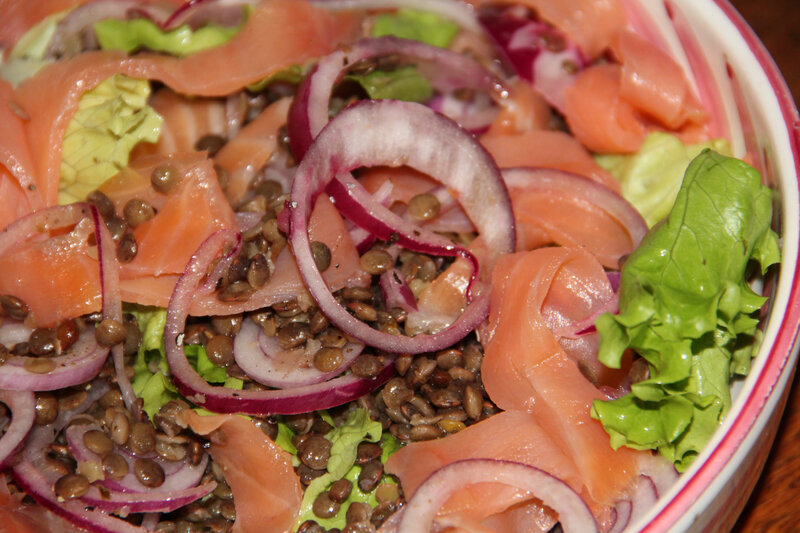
<point>28,55</point>
<point>293,74</point>
<point>417,25</point>
<point>111,119</point>
<point>344,448</point>
<point>687,309</point>
<point>151,380</point>
<point>405,83</point>
<point>652,176</point>
<point>131,35</point>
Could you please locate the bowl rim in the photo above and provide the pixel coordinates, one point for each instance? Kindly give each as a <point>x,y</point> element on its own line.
<point>780,357</point>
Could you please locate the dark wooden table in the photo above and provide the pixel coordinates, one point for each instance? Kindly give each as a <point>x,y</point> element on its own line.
<point>775,504</point>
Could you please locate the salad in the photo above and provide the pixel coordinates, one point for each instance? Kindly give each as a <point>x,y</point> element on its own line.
<point>362,265</point>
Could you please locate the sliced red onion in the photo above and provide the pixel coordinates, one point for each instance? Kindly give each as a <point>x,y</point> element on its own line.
<point>262,358</point>
<point>94,391</point>
<point>586,326</point>
<point>69,40</point>
<point>613,278</point>
<point>430,496</point>
<point>446,70</point>
<point>459,12</point>
<point>40,488</point>
<point>14,331</point>
<point>179,475</point>
<point>283,221</point>
<point>112,305</point>
<point>248,220</point>
<point>355,203</point>
<point>22,405</point>
<point>151,520</point>
<point>197,13</point>
<point>41,221</point>
<point>396,291</point>
<point>86,358</point>
<point>385,132</point>
<point>81,364</point>
<point>538,52</point>
<point>475,115</point>
<point>644,497</point>
<point>195,282</point>
<point>362,238</point>
<point>660,471</point>
<point>137,502</point>
<point>621,514</point>
<point>587,191</point>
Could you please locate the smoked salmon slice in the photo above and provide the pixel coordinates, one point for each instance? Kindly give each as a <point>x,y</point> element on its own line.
<point>18,517</point>
<point>186,120</point>
<point>588,23</point>
<point>270,41</point>
<point>184,217</point>
<point>597,114</point>
<point>552,207</point>
<point>325,225</point>
<point>19,195</point>
<point>55,274</point>
<point>654,83</point>
<point>547,149</point>
<point>511,435</point>
<point>526,368</point>
<point>267,492</point>
<point>247,153</point>
<point>524,109</point>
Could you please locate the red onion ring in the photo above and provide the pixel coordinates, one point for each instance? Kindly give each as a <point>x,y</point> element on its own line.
<point>522,43</point>
<point>380,132</point>
<point>360,207</point>
<point>84,361</point>
<point>14,331</point>
<point>39,222</point>
<point>396,292</point>
<point>22,405</point>
<point>421,509</point>
<point>197,13</point>
<point>179,475</point>
<point>40,488</point>
<point>112,305</point>
<point>621,514</point>
<point>263,359</point>
<point>588,192</point>
<point>139,502</point>
<point>82,18</point>
<point>447,71</point>
<point>94,391</point>
<point>194,282</point>
<point>86,358</point>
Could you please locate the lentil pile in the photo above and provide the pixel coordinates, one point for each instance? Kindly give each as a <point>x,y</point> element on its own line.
<point>433,394</point>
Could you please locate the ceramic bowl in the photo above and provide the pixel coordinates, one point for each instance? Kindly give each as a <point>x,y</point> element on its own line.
<point>738,81</point>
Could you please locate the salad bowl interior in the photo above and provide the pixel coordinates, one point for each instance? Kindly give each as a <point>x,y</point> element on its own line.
<point>738,81</point>
<point>735,94</point>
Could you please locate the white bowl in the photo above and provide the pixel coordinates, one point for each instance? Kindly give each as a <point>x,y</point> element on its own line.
<point>733,72</point>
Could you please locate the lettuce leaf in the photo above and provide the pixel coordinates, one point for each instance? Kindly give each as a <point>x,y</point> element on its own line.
<point>422,26</point>
<point>111,119</point>
<point>151,380</point>
<point>687,309</point>
<point>131,35</point>
<point>652,176</point>
<point>357,428</point>
<point>293,74</point>
<point>405,83</point>
<point>28,54</point>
